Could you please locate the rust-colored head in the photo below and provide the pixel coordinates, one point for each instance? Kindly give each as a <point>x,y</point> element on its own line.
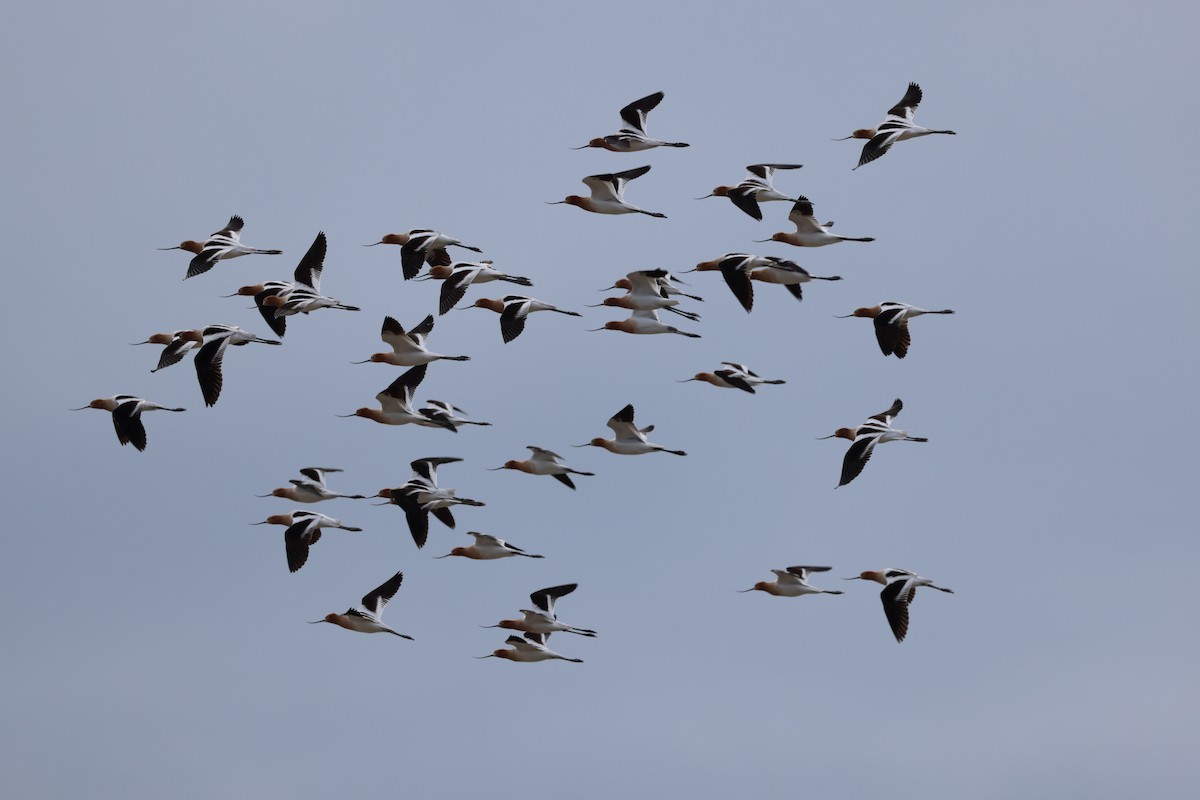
<point>490,305</point>
<point>511,655</point>
<point>274,301</point>
<point>161,338</point>
<point>623,283</point>
<point>279,519</point>
<point>440,273</point>
<point>102,402</point>
<point>251,290</point>
<point>394,238</point>
<point>872,575</point>
<point>873,311</point>
<point>189,245</point>
<point>863,133</point>
<point>194,335</point>
<point>281,493</point>
<point>708,266</point>
<point>576,200</point>
<point>845,433</point>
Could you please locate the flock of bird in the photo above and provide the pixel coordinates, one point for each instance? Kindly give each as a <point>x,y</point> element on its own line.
<point>647,293</point>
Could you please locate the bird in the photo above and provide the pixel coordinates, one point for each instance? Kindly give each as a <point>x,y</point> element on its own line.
<point>422,245</point>
<point>444,412</point>
<point>740,269</point>
<point>408,347</point>
<point>488,548</point>
<point>210,356</point>
<point>891,324</point>
<point>514,310</point>
<point>738,376</point>
<point>648,290</point>
<point>312,490</point>
<point>791,582</point>
<point>899,589</point>
<point>531,647</point>
<point>608,194</point>
<point>875,430</point>
<point>368,620</point>
<point>543,619</point>
<point>421,496</point>
<point>458,276</point>
<point>260,292</point>
<point>643,322</point>
<point>127,416</point>
<point>544,462</point>
<point>896,127</point>
<point>177,345</point>
<point>305,295</point>
<point>809,232</point>
<point>629,439</point>
<point>225,243</point>
<point>632,137</point>
<point>755,188</point>
<point>396,404</point>
<point>304,531</point>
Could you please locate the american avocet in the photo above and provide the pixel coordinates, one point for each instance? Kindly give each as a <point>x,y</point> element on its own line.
<point>443,411</point>
<point>791,582</point>
<point>900,587</point>
<point>458,276</point>
<point>738,376</point>
<point>304,531</point>
<point>875,430</point>
<point>271,296</point>
<point>305,296</point>
<point>643,322</point>
<point>647,290</point>
<point>422,245</point>
<point>177,345</point>
<point>225,243</point>
<point>543,619</point>
<point>755,188</point>
<point>891,324</point>
<point>544,462</point>
<point>528,649</point>
<point>739,269</point>
<point>629,439</point>
<point>260,292</point>
<point>632,138</point>
<point>408,347</point>
<point>312,490</point>
<point>368,620</point>
<point>488,548</point>
<point>608,194</point>
<point>665,281</point>
<point>127,416</point>
<point>809,232</point>
<point>896,127</point>
<point>211,355</point>
<point>422,496</point>
<point>514,310</point>
<point>396,404</point>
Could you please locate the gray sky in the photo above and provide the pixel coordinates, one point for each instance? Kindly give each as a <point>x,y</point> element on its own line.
<point>156,643</point>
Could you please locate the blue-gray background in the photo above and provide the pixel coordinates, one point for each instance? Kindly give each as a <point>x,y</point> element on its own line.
<point>155,645</point>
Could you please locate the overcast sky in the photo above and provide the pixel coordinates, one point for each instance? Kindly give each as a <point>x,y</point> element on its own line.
<point>156,645</point>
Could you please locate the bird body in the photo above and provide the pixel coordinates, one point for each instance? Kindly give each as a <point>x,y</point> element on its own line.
<point>791,582</point>
<point>608,194</point>
<point>809,232</point>
<point>408,347</point>
<point>897,126</point>
<point>755,188</point>
<point>628,439</point>
<point>127,413</point>
<point>544,462</point>
<point>488,548</point>
<point>368,618</point>
<point>632,138</point>
<point>420,246</point>
<point>891,324</point>
<point>900,587</point>
<point>876,430</point>
<point>225,243</point>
